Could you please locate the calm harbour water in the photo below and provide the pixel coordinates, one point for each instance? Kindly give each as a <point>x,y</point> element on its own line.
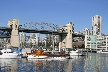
<point>91,63</point>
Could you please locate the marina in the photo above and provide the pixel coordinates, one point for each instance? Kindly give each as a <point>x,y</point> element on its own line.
<point>53,36</point>
<point>92,63</point>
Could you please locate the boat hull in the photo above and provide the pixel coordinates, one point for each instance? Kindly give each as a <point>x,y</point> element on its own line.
<point>9,56</point>
<point>76,53</point>
<point>102,51</point>
<point>36,57</point>
<point>59,58</point>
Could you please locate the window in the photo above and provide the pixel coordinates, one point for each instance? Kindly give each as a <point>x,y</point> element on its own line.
<point>93,18</point>
<point>70,31</point>
<point>10,26</point>
<point>15,26</point>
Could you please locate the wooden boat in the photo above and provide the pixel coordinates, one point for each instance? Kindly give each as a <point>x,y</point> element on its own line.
<point>57,55</point>
<point>36,54</point>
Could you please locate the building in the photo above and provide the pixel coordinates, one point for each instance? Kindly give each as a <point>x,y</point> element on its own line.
<point>86,31</point>
<point>32,35</point>
<point>48,37</point>
<point>96,25</point>
<point>22,37</point>
<point>96,41</point>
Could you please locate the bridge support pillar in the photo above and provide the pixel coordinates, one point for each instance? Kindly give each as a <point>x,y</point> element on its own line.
<point>14,41</point>
<point>62,41</point>
<point>66,40</point>
<point>69,35</point>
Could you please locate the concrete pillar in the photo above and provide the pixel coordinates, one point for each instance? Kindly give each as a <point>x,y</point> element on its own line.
<point>69,35</point>
<point>14,34</point>
<point>66,40</point>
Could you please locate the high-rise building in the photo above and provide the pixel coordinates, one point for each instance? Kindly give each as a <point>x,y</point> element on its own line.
<point>48,37</point>
<point>96,25</point>
<point>32,35</point>
<point>86,31</point>
<point>22,37</point>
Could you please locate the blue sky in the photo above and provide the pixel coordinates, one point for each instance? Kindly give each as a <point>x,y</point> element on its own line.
<point>59,12</point>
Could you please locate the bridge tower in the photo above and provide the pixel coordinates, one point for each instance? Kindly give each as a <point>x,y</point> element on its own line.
<point>14,41</point>
<point>66,40</point>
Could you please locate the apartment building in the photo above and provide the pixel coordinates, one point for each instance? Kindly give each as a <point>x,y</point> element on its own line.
<point>96,41</point>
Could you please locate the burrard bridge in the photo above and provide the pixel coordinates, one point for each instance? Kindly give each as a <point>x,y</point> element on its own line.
<point>14,27</point>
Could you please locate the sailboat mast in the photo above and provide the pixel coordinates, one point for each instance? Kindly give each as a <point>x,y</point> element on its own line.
<point>106,42</point>
<point>53,40</point>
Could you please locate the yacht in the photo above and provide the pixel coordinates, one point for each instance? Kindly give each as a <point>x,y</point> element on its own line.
<point>7,53</point>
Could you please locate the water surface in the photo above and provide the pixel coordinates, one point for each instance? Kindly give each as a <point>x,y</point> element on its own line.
<point>91,63</point>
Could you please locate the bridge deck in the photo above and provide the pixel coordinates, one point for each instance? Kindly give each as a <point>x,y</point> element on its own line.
<point>38,31</point>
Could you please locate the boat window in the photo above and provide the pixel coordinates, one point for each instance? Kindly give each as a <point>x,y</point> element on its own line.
<point>10,52</point>
<point>0,53</point>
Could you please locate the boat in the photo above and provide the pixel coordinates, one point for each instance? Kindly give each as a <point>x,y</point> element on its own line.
<point>102,51</point>
<point>7,53</point>
<point>57,55</point>
<point>18,51</point>
<point>36,54</point>
<point>77,53</point>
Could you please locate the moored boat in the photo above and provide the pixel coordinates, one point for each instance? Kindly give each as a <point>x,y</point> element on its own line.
<point>57,56</point>
<point>36,54</point>
<point>102,51</point>
<point>7,53</point>
<point>77,53</point>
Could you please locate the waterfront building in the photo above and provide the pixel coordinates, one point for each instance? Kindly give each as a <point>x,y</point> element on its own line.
<point>96,25</point>
<point>86,31</point>
<point>96,41</point>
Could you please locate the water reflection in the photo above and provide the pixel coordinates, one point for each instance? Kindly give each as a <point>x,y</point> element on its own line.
<point>91,63</point>
<point>7,65</point>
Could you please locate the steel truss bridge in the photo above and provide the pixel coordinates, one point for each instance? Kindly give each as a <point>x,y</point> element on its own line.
<point>35,27</point>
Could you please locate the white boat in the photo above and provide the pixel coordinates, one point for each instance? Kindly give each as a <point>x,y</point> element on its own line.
<point>77,53</point>
<point>102,51</point>
<point>7,53</point>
